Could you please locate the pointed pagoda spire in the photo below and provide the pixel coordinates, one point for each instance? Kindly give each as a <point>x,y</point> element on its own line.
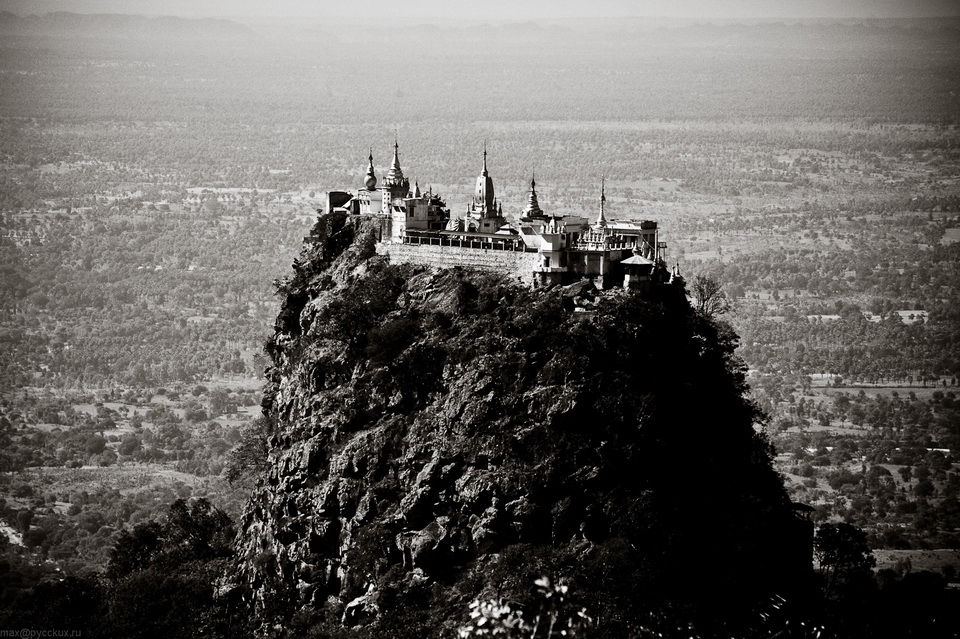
<point>416,189</point>
<point>602,219</point>
<point>394,176</point>
<point>395,164</point>
<point>370,180</point>
<point>484,199</point>
<point>394,181</point>
<point>532,209</point>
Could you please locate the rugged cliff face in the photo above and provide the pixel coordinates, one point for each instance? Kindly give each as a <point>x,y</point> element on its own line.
<point>443,435</point>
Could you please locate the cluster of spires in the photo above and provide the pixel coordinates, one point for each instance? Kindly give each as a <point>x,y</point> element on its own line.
<point>394,176</point>
<point>485,194</point>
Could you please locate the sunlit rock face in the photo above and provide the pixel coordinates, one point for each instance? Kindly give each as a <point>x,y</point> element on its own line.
<point>441,435</point>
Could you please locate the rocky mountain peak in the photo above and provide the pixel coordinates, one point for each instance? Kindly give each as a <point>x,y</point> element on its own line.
<point>439,435</point>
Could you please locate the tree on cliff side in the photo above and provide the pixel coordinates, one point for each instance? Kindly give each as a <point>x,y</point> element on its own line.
<point>441,436</point>
<point>843,554</point>
<point>709,297</point>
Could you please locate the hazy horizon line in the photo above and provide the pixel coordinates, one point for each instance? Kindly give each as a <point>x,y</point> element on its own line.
<point>408,20</point>
<point>376,11</point>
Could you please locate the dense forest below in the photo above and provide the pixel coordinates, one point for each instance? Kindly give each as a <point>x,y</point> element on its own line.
<point>153,189</point>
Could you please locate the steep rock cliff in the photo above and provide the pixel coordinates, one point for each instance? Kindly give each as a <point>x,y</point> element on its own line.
<point>439,435</point>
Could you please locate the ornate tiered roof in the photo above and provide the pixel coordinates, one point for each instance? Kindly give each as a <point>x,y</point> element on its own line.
<point>532,209</point>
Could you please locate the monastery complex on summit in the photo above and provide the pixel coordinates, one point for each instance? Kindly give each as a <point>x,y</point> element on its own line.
<point>539,248</point>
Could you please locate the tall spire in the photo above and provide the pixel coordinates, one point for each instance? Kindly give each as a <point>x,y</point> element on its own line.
<point>395,174</point>
<point>602,219</point>
<point>370,180</point>
<point>395,165</point>
<point>484,200</point>
<point>398,185</point>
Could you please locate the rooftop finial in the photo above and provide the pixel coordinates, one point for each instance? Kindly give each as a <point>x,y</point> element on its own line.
<point>370,179</point>
<point>602,219</point>
<point>484,171</point>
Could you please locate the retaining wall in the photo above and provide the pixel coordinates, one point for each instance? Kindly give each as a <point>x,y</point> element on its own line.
<point>509,262</point>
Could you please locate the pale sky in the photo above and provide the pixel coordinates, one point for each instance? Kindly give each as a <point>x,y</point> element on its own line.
<point>501,10</point>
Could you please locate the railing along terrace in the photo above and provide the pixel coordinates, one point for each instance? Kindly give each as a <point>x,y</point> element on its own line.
<point>604,245</point>
<point>506,244</point>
